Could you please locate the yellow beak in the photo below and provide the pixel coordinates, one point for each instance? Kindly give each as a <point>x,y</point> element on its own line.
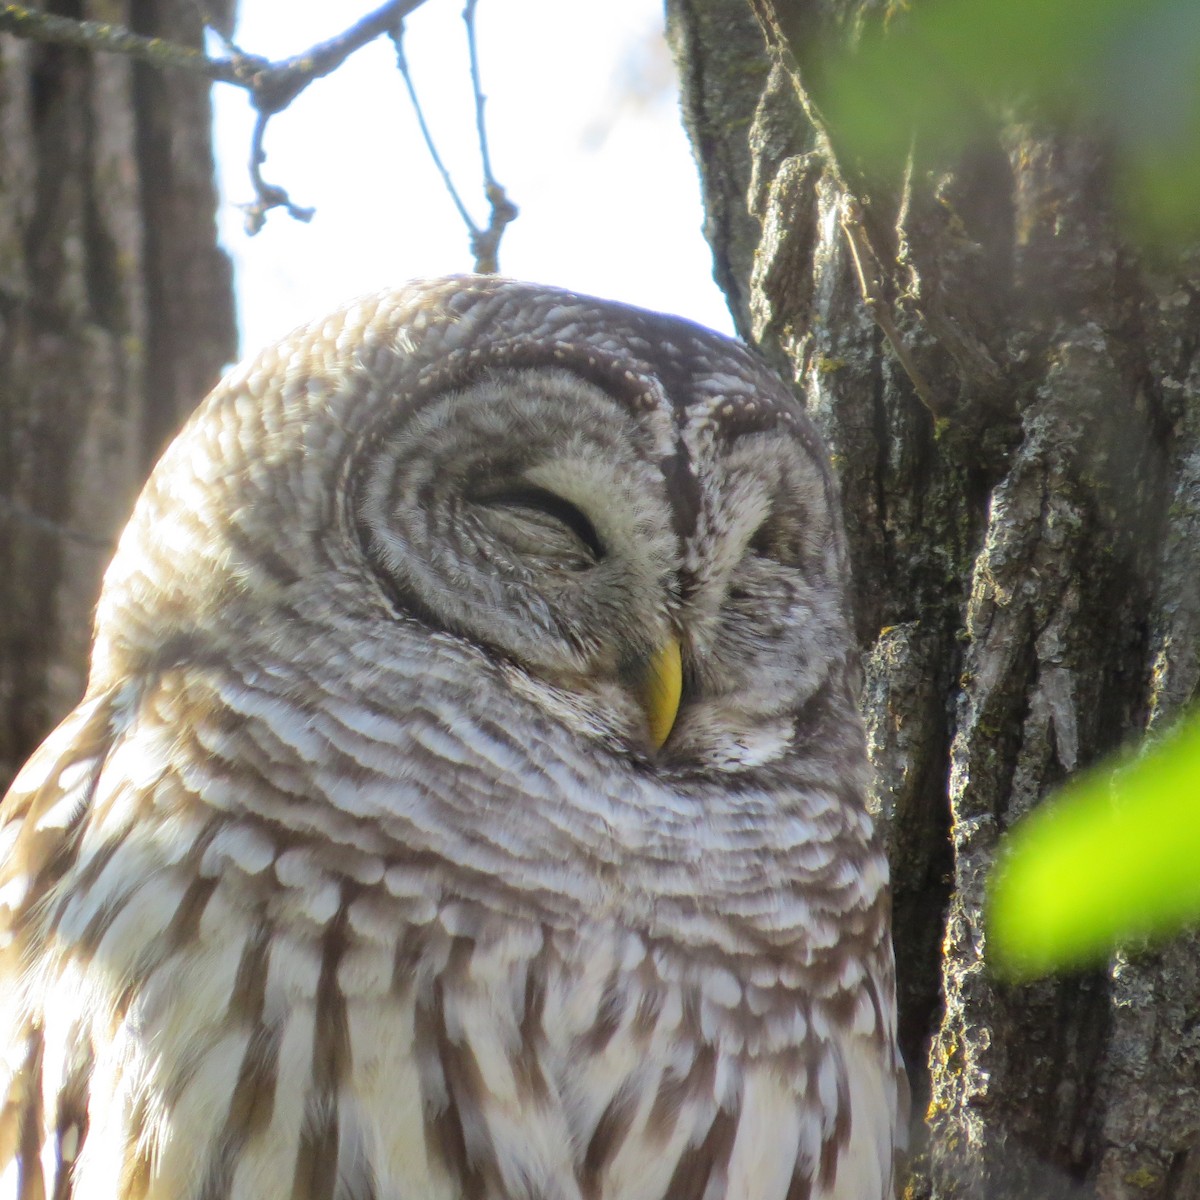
<point>661,690</point>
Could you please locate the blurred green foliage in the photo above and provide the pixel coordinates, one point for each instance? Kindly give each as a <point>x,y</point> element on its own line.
<point>1117,855</point>
<point>1114,857</point>
<point>938,72</point>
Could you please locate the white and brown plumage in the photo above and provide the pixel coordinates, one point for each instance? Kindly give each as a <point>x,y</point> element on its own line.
<point>468,798</point>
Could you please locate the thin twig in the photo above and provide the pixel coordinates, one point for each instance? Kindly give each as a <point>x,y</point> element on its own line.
<point>871,288</point>
<point>278,84</point>
<point>266,195</point>
<point>477,88</point>
<point>485,244</point>
<point>397,36</point>
<point>274,85</point>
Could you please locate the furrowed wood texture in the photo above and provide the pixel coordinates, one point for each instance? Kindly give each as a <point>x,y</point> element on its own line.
<point>116,313</point>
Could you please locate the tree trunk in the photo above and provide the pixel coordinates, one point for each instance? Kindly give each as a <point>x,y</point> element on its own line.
<point>116,315</point>
<point>1025,524</point>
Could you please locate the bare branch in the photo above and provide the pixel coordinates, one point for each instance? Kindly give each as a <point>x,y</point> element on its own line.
<point>276,85</point>
<point>272,85</point>
<point>279,83</point>
<point>37,26</point>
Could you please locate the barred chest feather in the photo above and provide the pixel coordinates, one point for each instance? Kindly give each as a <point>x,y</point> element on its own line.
<point>361,1060</point>
<point>204,1015</point>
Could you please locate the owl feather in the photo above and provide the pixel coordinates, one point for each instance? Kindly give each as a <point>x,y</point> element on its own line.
<point>468,799</point>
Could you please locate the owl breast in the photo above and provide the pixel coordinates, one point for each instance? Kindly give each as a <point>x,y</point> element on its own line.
<point>326,1003</point>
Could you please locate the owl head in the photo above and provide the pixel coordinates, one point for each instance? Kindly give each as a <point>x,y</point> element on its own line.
<point>626,518</point>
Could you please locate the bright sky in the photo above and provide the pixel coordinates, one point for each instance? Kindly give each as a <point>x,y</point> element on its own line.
<point>584,133</point>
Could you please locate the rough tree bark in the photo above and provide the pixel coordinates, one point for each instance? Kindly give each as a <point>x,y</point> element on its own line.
<point>1026,539</point>
<point>116,314</point>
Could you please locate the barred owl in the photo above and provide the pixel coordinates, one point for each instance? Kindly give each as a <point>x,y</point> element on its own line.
<point>467,802</point>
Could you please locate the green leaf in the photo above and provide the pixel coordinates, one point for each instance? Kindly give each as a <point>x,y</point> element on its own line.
<point>941,72</point>
<point>1115,857</point>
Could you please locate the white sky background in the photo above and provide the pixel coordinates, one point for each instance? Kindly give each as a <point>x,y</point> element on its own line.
<point>584,133</point>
